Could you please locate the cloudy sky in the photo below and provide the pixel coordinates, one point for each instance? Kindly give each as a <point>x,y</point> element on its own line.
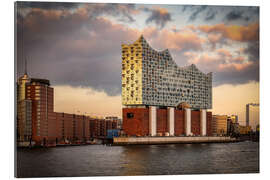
<point>77,46</point>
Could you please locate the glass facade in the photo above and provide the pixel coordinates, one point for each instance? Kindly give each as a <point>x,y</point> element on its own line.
<point>152,78</point>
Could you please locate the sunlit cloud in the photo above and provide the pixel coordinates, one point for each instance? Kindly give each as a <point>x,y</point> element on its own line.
<point>234,32</point>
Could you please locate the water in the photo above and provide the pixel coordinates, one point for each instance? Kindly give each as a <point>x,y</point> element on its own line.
<point>100,160</point>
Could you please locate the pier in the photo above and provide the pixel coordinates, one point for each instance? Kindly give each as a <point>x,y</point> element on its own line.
<point>171,140</point>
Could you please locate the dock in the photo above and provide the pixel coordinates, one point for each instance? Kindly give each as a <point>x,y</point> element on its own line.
<point>172,140</point>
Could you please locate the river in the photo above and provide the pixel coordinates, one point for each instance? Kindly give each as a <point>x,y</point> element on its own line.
<point>173,159</point>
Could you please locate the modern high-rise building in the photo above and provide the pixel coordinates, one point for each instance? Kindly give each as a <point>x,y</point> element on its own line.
<point>24,110</point>
<point>152,80</point>
<point>41,95</point>
<point>34,108</point>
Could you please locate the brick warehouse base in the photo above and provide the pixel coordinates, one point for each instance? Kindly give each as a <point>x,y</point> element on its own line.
<point>136,122</point>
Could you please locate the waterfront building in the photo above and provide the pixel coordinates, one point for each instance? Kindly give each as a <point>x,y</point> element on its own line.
<point>161,98</point>
<point>234,118</point>
<point>244,130</point>
<point>38,124</point>
<point>221,124</point>
<point>24,111</point>
<point>117,122</point>
<point>232,125</point>
<point>214,125</point>
<point>39,92</point>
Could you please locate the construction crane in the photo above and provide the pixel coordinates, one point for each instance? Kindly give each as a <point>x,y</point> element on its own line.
<point>247,111</point>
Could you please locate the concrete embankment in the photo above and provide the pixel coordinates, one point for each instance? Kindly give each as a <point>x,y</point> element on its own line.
<point>170,140</point>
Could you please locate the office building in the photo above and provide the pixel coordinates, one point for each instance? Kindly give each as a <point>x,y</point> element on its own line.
<point>24,111</point>
<point>220,124</point>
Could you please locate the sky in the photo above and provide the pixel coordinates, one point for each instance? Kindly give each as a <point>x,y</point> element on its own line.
<point>77,46</point>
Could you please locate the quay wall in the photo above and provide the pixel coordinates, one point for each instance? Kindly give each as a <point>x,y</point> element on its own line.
<point>170,140</point>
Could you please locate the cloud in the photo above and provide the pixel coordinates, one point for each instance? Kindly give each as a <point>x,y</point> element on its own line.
<point>205,12</point>
<point>253,51</point>
<point>224,53</point>
<point>234,15</point>
<point>82,47</point>
<point>160,16</point>
<point>196,12</point>
<point>215,39</point>
<point>47,5</point>
<point>179,41</point>
<point>211,14</point>
<point>73,48</point>
<point>234,32</point>
<point>242,14</point>
<point>124,12</point>
<point>226,68</point>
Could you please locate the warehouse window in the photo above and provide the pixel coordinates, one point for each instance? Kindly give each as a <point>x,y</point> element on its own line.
<point>130,115</point>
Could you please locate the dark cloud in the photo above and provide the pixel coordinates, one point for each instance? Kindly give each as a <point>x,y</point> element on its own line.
<point>47,5</point>
<point>210,15</point>
<point>206,12</point>
<point>233,76</point>
<point>234,15</point>
<point>197,10</point>
<point>159,16</point>
<point>253,51</point>
<point>184,8</point>
<point>73,49</point>
<point>242,14</point>
<point>124,11</point>
<point>82,48</point>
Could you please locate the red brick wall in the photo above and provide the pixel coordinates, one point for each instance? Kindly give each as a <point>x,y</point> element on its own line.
<point>114,124</point>
<point>43,110</point>
<point>162,121</point>
<point>179,123</point>
<point>108,124</point>
<point>68,126</point>
<point>93,128</point>
<point>53,127</point>
<point>87,128</point>
<point>139,124</point>
<point>209,123</point>
<point>101,128</point>
<point>78,127</point>
<point>195,122</point>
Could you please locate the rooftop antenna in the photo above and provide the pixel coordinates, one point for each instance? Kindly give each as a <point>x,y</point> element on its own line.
<point>25,66</point>
<point>25,63</point>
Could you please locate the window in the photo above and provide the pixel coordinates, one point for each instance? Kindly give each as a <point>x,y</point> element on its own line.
<point>130,115</point>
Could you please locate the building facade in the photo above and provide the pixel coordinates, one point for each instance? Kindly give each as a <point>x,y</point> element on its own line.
<point>153,86</point>
<point>220,124</point>
<point>152,78</point>
<point>116,120</point>
<point>24,111</point>
<point>40,94</point>
<point>234,118</point>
